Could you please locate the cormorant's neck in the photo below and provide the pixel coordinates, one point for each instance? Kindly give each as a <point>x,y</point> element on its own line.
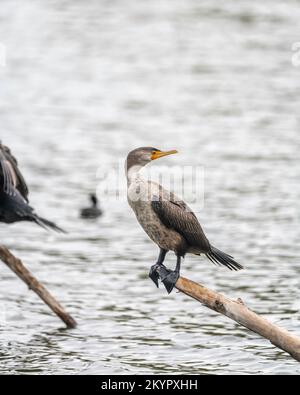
<point>94,200</point>
<point>133,173</point>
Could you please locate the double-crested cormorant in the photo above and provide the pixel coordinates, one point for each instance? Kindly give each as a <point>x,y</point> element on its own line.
<point>167,220</point>
<point>14,203</point>
<point>94,211</point>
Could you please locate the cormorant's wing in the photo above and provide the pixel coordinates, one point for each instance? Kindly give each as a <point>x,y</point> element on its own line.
<point>10,175</point>
<point>175,214</point>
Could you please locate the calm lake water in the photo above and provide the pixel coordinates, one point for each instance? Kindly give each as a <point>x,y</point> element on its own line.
<point>85,82</point>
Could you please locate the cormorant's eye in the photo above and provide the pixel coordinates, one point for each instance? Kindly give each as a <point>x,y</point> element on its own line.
<point>155,154</point>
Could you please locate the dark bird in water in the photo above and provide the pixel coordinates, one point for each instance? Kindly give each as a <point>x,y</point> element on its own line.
<point>14,203</point>
<point>94,211</point>
<point>167,220</point>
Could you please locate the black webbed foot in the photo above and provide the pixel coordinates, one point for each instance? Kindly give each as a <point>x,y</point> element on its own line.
<point>154,273</point>
<point>156,270</point>
<point>169,279</point>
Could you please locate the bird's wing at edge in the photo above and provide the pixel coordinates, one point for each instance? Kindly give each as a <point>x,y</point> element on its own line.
<point>10,174</point>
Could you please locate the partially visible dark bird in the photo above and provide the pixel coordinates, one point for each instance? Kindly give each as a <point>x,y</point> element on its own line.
<point>91,212</point>
<point>167,220</point>
<point>14,203</point>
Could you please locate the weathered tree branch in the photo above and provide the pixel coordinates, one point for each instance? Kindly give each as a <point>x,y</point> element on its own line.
<point>18,267</point>
<point>237,311</point>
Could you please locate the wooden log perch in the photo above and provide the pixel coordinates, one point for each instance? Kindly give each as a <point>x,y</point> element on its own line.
<point>18,267</point>
<point>237,311</point>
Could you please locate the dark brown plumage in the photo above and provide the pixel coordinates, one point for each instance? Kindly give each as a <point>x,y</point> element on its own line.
<point>14,193</point>
<point>10,175</point>
<point>175,214</point>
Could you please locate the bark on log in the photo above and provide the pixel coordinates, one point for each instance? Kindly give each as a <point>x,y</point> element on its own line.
<point>237,311</point>
<point>20,270</point>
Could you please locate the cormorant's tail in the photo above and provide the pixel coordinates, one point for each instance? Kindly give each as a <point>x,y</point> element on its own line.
<point>44,223</point>
<point>220,258</point>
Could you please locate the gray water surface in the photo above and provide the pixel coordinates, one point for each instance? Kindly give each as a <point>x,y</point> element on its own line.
<point>84,83</point>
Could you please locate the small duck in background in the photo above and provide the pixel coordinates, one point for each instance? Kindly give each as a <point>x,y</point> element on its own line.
<point>92,212</point>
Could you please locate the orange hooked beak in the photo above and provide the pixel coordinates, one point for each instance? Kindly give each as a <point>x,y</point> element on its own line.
<point>160,154</point>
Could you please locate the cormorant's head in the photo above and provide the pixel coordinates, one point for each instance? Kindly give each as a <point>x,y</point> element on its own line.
<point>140,157</point>
<point>94,199</point>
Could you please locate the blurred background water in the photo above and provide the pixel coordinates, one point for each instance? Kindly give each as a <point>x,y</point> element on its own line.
<point>84,83</point>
